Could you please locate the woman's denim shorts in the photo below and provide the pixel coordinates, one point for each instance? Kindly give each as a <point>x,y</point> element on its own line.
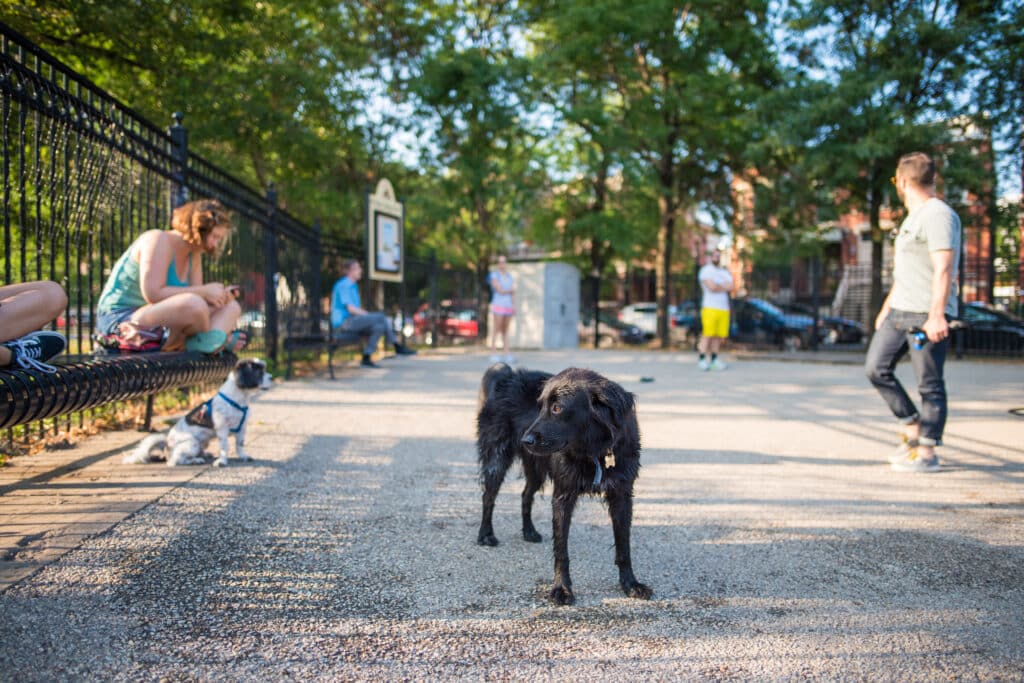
<point>106,323</point>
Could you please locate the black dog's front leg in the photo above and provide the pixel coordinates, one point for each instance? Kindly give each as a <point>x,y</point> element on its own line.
<point>620,508</point>
<point>562,505</point>
<point>534,480</point>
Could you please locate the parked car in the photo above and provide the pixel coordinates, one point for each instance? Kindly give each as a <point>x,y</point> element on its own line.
<point>756,321</point>
<point>644,315</point>
<point>988,329</point>
<point>461,323</point>
<point>685,323</point>
<point>83,319</point>
<point>833,329</point>
<point>454,322</point>
<point>611,331</point>
<point>252,320</point>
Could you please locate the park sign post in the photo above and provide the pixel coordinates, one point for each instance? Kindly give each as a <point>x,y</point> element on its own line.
<point>385,234</point>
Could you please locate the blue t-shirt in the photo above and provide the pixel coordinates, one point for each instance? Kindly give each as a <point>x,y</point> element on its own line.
<point>346,293</point>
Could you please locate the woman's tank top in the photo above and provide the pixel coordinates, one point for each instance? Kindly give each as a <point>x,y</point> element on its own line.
<point>123,289</point>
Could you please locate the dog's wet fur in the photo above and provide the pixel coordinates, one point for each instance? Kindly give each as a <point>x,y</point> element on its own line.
<point>577,428</point>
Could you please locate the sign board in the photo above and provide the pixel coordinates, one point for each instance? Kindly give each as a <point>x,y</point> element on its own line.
<point>385,235</point>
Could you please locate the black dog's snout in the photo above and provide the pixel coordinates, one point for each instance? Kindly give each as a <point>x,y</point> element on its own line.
<point>529,439</point>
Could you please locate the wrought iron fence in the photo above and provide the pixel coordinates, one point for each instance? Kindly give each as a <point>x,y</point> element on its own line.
<point>84,175</point>
<point>841,295</point>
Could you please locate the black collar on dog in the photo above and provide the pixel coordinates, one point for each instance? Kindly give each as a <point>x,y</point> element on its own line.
<point>609,462</point>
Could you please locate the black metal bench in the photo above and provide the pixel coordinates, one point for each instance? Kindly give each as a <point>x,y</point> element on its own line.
<point>83,382</point>
<point>332,341</point>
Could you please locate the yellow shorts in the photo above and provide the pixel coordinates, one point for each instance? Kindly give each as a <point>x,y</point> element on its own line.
<point>714,323</point>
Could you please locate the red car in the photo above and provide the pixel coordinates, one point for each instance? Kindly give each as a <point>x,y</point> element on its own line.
<point>454,323</point>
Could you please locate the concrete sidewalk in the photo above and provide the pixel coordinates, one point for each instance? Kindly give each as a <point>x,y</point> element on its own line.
<point>777,541</point>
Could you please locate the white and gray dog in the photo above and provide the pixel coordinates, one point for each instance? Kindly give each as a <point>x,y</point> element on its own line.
<point>222,415</point>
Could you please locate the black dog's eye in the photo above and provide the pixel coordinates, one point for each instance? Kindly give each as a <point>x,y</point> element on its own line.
<point>556,408</point>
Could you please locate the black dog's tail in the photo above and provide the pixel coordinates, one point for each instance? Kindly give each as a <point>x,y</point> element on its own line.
<point>488,385</point>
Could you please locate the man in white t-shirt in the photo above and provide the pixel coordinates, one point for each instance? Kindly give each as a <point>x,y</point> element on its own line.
<point>914,317</point>
<point>716,283</point>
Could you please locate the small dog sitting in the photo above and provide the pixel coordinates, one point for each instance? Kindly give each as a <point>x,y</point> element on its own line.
<point>222,415</point>
<point>578,428</point>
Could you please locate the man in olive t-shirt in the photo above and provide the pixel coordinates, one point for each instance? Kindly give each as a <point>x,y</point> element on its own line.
<point>914,315</point>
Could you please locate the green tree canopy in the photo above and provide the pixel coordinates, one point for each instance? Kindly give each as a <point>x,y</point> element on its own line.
<point>685,76</point>
<point>878,79</point>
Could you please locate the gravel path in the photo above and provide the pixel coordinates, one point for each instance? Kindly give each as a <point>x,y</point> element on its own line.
<point>778,544</point>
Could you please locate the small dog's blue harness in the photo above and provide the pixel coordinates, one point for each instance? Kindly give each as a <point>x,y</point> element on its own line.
<point>202,414</point>
<point>244,410</point>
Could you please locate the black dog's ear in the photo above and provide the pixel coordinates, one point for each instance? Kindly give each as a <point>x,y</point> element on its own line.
<point>610,406</point>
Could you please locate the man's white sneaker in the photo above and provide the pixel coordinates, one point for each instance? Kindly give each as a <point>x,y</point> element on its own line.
<point>704,364</point>
<point>718,365</point>
<point>902,451</point>
<point>913,463</point>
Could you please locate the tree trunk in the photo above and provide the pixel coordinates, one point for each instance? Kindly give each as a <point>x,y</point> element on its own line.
<point>596,269</point>
<point>663,267</point>
<point>877,254</point>
<point>1019,294</point>
<point>482,301</point>
<point>988,191</point>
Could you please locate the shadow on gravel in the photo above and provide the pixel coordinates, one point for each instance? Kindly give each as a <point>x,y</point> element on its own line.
<point>361,552</point>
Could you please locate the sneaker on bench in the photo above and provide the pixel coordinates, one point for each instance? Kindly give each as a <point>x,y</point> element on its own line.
<point>33,350</point>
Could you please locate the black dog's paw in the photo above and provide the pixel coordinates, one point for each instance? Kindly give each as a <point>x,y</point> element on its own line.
<point>487,539</point>
<point>638,590</point>
<point>531,536</point>
<point>560,595</point>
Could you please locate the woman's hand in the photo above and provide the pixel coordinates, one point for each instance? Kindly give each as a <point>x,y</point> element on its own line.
<point>216,294</point>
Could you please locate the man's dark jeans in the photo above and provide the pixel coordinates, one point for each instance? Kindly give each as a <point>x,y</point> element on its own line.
<point>890,343</point>
<point>374,325</point>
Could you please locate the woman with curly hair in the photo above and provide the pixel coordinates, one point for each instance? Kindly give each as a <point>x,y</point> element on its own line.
<point>158,281</point>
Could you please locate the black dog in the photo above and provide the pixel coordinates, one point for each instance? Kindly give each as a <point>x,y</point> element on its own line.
<point>578,428</point>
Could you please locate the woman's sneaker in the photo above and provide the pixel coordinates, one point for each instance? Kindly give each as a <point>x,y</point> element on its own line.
<point>33,350</point>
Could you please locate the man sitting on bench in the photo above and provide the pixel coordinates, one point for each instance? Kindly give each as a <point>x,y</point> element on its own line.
<point>347,315</point>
